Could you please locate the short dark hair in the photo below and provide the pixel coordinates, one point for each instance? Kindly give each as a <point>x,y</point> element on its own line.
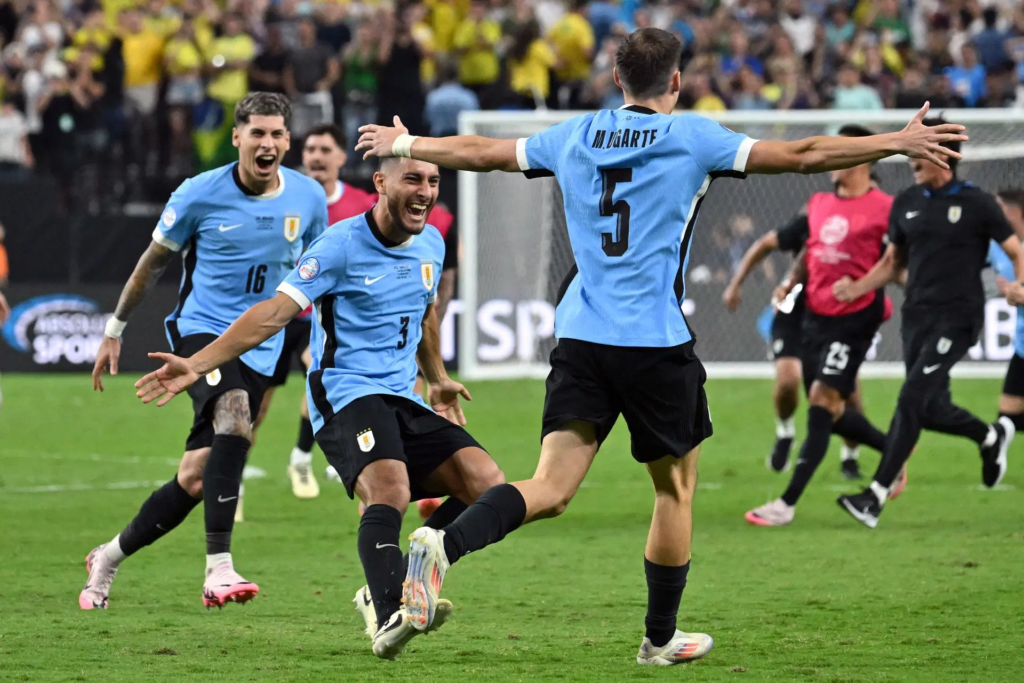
<point>333,131</point>
<point>1013,196</point>
<point>263,104</point>
<point>646,60</point>
<point>953,145</point>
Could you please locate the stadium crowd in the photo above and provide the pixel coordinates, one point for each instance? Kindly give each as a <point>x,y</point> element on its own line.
<point>148,85</point>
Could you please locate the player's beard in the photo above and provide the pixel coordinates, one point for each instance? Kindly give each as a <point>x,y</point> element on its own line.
<point>396,207</point>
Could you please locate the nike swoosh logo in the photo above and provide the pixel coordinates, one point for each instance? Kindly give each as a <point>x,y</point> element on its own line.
<point>911,214</point>
<point>221,499</point>
<point>224,228</point>
<point>370,282</point>
<point>386,545</point>
<point>366,601</point>
<point>929,369</point>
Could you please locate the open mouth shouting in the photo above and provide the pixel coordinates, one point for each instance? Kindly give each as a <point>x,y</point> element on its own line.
<point>416,212</point>
<point>265,163</point>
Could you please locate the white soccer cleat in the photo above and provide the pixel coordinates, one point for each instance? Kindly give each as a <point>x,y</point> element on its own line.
<point>428,564</point>
<point>684,647</point>
<point>364,605</point>
<point>331,474</point>
<point>223,585</point>
<point>101,576</point>
<point>392,637</point>
<point>304,484</point>
<point>775,513</point>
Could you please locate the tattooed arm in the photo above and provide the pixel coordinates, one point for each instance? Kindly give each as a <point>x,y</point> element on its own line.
<point>147,271</point>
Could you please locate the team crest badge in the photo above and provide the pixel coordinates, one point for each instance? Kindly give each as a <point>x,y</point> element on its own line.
<point>944,345</point>
<point>954,214</point>
<point>292,225</point>
<point>365,440</point>
<point>213,378</point>
<point>427,273</point>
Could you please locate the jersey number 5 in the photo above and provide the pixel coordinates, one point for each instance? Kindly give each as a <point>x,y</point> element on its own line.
<point>615,245</point>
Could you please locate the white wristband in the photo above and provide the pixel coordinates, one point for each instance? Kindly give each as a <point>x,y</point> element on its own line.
<point>115,328</point>
<point>402,146</point>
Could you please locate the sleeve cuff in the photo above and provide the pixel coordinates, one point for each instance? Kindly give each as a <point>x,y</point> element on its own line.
<point>164,241</point>
<point>739,164</point>
<point>294,294</point>
<point>524,163</point>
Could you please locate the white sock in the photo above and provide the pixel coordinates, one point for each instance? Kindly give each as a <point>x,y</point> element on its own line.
<point>215,559</point>
<point>881,493</point>
<point>784,429</point>
<point>113,550</point>
<point>990,438</point>
<point>850,453</point>
<point>301,457</point>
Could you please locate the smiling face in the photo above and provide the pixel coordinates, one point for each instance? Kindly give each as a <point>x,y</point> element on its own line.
<point>261,145</point>
<point>410,189</point>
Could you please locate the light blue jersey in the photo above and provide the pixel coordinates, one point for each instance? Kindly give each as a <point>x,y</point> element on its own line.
<point>369,296</point>
<point>1002,264</point>
<point>236,248</point>
<point>632,181</point>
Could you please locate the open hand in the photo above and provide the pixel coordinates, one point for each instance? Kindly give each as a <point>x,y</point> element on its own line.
<point>376,141</point>
<point>175,376</point>
<point>107,355</point>
<point>919,141</point>
<point>444,399</point>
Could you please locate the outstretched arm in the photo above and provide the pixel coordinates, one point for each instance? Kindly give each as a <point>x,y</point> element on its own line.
<point>444,392</point>
<point>255,326</point>
<point>460,152</point>
<point>757,252</point>
<point>147,271</point>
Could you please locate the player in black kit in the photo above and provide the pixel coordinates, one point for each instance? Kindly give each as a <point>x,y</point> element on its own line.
<point>939,230</point>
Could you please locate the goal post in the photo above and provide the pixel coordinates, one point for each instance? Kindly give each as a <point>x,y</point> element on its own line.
<point>515,248</point>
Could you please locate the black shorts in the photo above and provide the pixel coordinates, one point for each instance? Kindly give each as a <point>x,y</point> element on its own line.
<point>383,427</point>
<point>1013,385</point>
<point>659,391</point>
<point>933,343</point>
<point>787,327</point>
<point>232,375</point>
<point>296,341</point>
<point>835,346</point>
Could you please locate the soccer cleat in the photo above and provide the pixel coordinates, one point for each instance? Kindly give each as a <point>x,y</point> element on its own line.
<point>392,637</point>
<point>684,647</point>
<point>427,507</point>
<point>223,585</point>
<point>101,575</point>
<point>775,513</point>
<point>364,605</point>
<point>304,484</point>
<point>850,469</point>
<point>899,485</point>
<point>427,567</point>
<point>863,507</point>
<point>993,458</point>
<point>778,461</point>
<point>331,474</point>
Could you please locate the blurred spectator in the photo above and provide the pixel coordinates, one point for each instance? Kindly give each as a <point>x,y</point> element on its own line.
<point>15,153</point>
<point>446,102</point>
<point>183,62</point>
<point>739,56</point>
<point>968,78</point>
<point>573,40</point>
<point>990,43</point>
<point>912,93</point>
<point>704,99</point>
<point>359,79</point>
<point>474,43</point>
<point>530,60</point>
<point>750,95</point>
<point>885,18</point>
<point>401,91</point>
<point>839,28</point>
<point>229,56</point>
<point>331,27</point>
<point>266,73</point>
<point>1000,90</point>
<point>798,25</point>
<point>851,94</point>
<point>309,74</point>
<point>143,58</point>
<point>423,34</point>
<point>943,96</point>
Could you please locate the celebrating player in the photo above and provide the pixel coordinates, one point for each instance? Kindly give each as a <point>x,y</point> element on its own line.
<point>323,155</point>
<point>1011,401</point>
<point>240,229</point>
<point>373,280</point>
<point>939,231</point>
<point>632,181</point>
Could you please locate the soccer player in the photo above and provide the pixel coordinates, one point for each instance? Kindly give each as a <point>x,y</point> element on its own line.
<point>632,181</point>
<point>939,231</point>
<point>323,155</point>
<point>373,280</point>
<point>1011,401</point>
<point>842,234</point>
<point>240,229</point>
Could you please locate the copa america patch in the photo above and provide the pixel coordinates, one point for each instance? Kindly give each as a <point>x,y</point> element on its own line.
<point>309,268</point>
<point>169,216</point>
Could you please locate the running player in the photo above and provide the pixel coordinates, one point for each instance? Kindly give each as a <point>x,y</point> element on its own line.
<point>842,234</point>
<point>1011,401</point>
<point>323,155</point>
<point>632,181</point>
<point>373,280</point>
<point>940,232</point>
<point>240,229</point>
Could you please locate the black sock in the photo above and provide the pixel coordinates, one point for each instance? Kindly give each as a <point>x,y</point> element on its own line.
<point>497,513</point>
<point>904,432</point>
<point>381,556</point>
<point>854,426</point>
<point>222,479</point>
<point>1016,418</point>
<point>446,513</point>
<point>664,589</point>
<point>819,430</point>
<point>165,509</point>
<point>306,440</point>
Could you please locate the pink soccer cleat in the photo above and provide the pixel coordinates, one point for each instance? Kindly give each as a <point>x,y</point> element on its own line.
<point>101,575</point>
<point>775,513</point>
<point>223,585</point>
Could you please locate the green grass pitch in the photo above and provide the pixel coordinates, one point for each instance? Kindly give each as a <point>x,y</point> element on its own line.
<point>934,594</point>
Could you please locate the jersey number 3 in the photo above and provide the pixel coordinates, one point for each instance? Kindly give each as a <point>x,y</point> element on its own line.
<point>615,244</point>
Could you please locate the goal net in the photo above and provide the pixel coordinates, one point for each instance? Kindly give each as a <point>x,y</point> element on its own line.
<point>516,251</point>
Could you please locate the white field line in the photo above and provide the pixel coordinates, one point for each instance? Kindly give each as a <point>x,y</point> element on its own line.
<point>250,472</point>
<point>86,457</point>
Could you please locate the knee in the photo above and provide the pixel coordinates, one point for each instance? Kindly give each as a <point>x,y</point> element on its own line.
<point>385,485</point>
<point>828,398</point>
<point>481,479</point>
<point>554,500</point>
<point>190,477</point>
